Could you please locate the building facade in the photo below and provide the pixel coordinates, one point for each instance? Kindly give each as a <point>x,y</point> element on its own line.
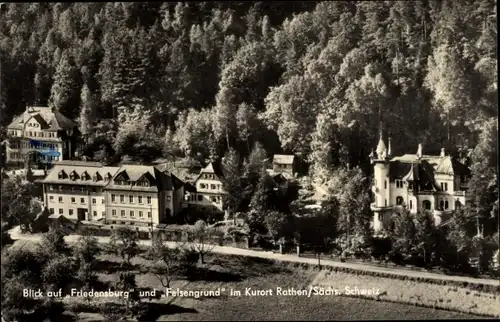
<point>283,163</point>
<point>75,189</point>
<point>40,135</point>
<point>127,195</point>
<point>142,195</point>
<point>415,182</point>
<point>207,193</point>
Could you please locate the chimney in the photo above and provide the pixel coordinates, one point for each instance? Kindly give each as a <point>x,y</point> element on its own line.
<point>419,151</point>
<point>442,153</point>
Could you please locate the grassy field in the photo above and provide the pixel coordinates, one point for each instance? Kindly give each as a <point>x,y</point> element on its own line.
<point>423,294</point>
<point>238,273</point>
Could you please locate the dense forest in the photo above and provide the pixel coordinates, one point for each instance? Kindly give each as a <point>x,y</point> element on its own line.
<point>312,78</point>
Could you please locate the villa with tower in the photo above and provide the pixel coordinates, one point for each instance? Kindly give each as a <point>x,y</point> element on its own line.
<point>415,182</point>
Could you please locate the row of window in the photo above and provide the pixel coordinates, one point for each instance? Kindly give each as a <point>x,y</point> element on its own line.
<point>217,199</point>
<point>131,199</point>
<point>131,213</point>
<point>71,212</point>
<point>40,134</point>
<point>194,197</point>
<point>73,200</point>
<point>21,156</point>
<point>113,199</point>
<point>426,204</point>
<point>74,189</point>
<point>400,184</point>
<point>128,183</point>
<point>212,186</point>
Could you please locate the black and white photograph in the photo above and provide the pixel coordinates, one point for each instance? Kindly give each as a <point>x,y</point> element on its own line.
<point>249,161</point>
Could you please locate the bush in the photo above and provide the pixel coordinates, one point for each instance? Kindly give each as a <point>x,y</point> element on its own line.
<point>6,240</point>
<point>380,248</point>
<point>358,245</point>
<point>49,309</point>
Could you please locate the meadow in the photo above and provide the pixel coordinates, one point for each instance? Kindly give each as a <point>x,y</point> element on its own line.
<point>237,273</point>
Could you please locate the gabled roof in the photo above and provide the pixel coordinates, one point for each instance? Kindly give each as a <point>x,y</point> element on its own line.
<point>41,121</point>
<point>283,158</point>
<point>442,165</point>
<point>159,180</point>
<point>412,175</point>
<point>214,167</point>
<point>423,170</point>
<point>49,119</point>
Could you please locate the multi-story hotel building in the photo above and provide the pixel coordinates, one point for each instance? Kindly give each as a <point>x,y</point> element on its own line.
<point>416,182</point>
<point>208,193</point>
<point>142,195</point>
<point>75,189</point>
<point>42,135</point>
<point>126,195</point>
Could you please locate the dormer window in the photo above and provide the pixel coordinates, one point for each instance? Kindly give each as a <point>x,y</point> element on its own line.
<point>62,175</point>
<point>143,183</point>
<point>96,177</point>
<point>73,175</point>
<point>85,176</point>
<point>108,177</point>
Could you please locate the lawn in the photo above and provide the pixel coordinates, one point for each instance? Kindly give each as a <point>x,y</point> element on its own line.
<point>238,273</point>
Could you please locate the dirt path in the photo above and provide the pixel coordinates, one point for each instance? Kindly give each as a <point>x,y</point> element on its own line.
<point>16,235</point>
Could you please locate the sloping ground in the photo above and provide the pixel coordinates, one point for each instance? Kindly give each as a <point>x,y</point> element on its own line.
<point>411,292</point>
<point>231,274</point>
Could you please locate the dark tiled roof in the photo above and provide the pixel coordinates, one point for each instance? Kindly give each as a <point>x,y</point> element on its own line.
<point>176,182</point>
<point>423,170</point>
<point>398,170</point>
<point>79,167</point>
<point>159,180</point>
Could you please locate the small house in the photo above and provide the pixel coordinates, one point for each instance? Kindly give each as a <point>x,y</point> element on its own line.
<point>284,163</point>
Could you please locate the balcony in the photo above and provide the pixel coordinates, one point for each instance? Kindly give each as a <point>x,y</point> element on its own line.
<point>374,207</point>
<point>459,193</point>
<point>374,189</point>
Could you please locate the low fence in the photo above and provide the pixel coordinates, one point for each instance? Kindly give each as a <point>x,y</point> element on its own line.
<point>178,234</point>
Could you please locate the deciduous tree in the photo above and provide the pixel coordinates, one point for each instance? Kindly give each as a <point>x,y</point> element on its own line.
<point>124,243</point>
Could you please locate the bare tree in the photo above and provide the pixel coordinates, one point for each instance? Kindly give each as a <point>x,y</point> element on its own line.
<point>201,235</point>
<point>169,262</point>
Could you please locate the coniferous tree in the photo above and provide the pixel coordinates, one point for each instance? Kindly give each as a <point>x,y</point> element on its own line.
<point>64,95</point>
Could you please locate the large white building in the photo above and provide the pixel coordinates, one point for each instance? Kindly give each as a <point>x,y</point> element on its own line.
<point>416,182</point>
<point>40,134</point>
<point>125,195</point>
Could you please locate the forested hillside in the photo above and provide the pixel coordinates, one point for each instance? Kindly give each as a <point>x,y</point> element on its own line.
<point>316,79</point>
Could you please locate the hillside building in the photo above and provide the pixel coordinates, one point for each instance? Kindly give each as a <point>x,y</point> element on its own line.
<point>134,195</point>
<point>416,182</point>
<point>206,192</point>
<point>40,135</point>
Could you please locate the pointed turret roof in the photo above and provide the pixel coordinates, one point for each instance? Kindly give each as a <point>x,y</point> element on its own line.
<point>381,148</point>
